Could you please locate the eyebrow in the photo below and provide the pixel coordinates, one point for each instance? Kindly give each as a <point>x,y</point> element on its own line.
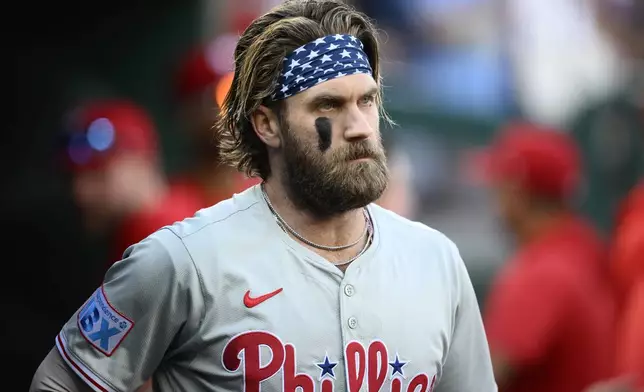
<point>372,91</point>
<point>330,97</point>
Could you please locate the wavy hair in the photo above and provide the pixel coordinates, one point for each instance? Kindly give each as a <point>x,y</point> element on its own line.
<point>258,63</point>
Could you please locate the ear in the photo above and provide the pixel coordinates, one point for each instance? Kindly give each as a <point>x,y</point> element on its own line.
<point>266,125</point>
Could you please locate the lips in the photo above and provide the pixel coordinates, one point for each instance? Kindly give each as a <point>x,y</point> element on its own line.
<point>355,155</point>
<point>361,158</point>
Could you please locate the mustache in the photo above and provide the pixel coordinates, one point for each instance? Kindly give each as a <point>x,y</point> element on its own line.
<point>360,150</point>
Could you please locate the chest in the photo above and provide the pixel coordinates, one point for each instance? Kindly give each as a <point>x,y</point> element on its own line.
<point>382,325</point>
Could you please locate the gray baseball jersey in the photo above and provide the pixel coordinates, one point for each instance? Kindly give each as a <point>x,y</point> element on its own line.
<point>227,301</point>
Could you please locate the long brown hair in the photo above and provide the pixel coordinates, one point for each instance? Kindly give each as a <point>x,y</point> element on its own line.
<point>258,62</point>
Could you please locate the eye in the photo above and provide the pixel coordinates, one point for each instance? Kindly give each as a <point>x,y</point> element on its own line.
<point>367,100</point>
<point>327,106</point>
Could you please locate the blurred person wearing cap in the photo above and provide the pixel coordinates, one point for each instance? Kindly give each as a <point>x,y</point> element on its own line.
<point>550,314</point>
<point>203,80</point>
<point>623,21</point>
<point>118,182</point>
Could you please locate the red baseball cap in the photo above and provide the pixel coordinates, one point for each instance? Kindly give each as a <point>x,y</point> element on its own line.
<point>99,130</point>
<point>542,160</point>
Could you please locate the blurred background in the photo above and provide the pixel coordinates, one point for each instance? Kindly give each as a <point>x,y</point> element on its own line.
<point>110,104</point>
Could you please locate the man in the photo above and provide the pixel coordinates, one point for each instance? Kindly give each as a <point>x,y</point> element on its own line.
<point>118,182</point>
<point>622,21</point>
<point>300,283</point>
<point>550,314</point>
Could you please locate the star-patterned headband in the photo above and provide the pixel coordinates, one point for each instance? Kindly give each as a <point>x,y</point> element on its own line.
<point>324,59</point>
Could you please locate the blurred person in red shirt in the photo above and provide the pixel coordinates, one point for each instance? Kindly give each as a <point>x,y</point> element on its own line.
<point>627,267</point>
<point>118,182</point>
<point>627,263</point>
<point>550,313</point>
<point>627,270</point>
<point>623,21</point>
<point>203,80</point>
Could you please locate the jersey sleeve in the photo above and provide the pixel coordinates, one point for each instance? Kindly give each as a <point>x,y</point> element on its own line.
<point>524,314</point>
<point>148,308</point>
<point>468,366</point>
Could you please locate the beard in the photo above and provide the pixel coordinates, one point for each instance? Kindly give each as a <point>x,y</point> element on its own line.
<point>329,184</point>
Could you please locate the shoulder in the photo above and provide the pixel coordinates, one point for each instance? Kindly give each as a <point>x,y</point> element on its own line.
<point>238,210</point>
<point>410,232</point>
<point>222,226</point>
<point>160,257</point>
<point>434,250</point>
<point>177,248</point>
<point>215,233</point>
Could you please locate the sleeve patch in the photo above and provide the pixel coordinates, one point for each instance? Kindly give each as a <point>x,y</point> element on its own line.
<point>101,325</point>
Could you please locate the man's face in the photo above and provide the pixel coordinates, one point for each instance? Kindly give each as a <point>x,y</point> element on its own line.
<point>331,148</point>
<point>91,195</point>
<point>104,195</point>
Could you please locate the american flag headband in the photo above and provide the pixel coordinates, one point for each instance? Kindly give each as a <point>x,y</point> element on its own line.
<point>324,59</point>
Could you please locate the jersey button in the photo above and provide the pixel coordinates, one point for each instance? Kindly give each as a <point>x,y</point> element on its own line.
<point>349,290</point>
<point>353,322</point>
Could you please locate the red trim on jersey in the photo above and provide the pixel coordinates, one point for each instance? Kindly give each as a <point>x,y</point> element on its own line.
<point>94,384</point>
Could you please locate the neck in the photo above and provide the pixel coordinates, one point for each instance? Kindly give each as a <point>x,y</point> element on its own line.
<point>539,223</point>
<point>336,230</point>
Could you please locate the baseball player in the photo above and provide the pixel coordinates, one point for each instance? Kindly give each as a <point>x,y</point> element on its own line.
<point>550,313</point>
<point>113,154</point>
<point>622,21</point>
<point>300,283</point>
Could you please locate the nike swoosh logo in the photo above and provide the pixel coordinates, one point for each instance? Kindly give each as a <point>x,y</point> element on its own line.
<point>251,302</point>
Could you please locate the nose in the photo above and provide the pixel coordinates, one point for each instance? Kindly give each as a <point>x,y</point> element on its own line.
<point>357,125</point>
